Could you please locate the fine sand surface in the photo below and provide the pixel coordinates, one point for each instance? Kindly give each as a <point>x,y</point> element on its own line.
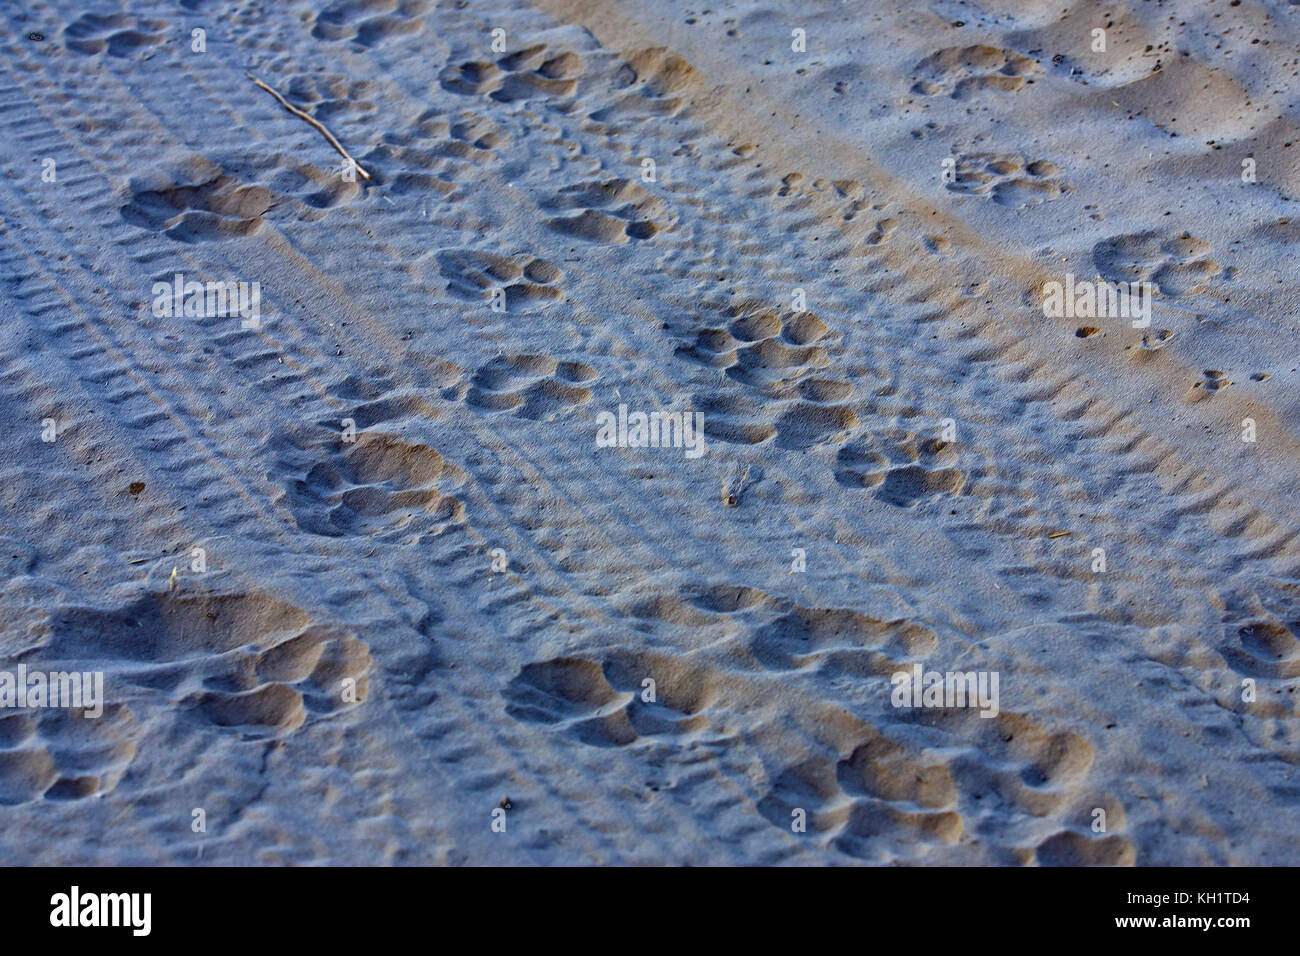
<point>454,609</point>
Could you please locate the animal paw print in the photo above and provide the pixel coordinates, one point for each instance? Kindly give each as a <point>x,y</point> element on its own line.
<point>919,785</point>
<point>520,284</point>
<point>375,483</point>
<point>1075,848</point>
<point>1215,380</point>
<point>969,70</point>
<point>881,231</point>
<point>1177,266</point>
<point>779,356</point>
<point>763,348</point>
<point>200,200</point>
<point>1157,339</point>
<point>797,425</point>
<point>370,22</point>
<point>273,689</point>
<point>62,754</point>
<point>654,81</point>
<point>327,96</point>
<point>882,797</point>
<point>612,211</point>
<point>207,205</point>
<point>840,640</point>
<point>533,386</point>
<point>238,659</point>
<point>517,76</point>
<point>433,153</point>
<point>604,702</point>
<point>1261,643</point>
<point>1007,180</point>
<point>850,193</point>
<point>477,132</point>
<point>117,34</point>
<point>791,184</point>
<point>734,418</point>
<point>1027,767</point>
<point>903,471</point>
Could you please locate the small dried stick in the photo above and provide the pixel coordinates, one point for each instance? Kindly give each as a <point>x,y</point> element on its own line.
<point>299,113</point>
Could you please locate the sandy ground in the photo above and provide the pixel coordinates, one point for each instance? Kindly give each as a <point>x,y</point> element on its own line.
<point>365,588</point>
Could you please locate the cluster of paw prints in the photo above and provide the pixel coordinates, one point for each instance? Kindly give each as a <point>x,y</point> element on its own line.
<point>506,284</point>
<point>602,701</point>
<point>898,790</point>
<point>779,357</point>
<point>610,211</point>
<point>902,469</point>
<point>516,76</point>
<point>903,791</point>
<point>965,71</point>
<point>914,788</point>
<point>1006,179</point>
<point>781,636</point>
<point>532,386</point>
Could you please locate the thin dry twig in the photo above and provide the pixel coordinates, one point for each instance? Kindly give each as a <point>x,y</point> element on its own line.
<point>301,115</point>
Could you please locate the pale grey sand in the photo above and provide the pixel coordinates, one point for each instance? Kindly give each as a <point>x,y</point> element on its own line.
<point>365,587</point>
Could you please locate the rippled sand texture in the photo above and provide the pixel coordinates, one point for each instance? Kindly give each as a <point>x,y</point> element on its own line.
<point>948,459</point>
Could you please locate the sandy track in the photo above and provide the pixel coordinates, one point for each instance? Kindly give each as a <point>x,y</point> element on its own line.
<point>517,177</point>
